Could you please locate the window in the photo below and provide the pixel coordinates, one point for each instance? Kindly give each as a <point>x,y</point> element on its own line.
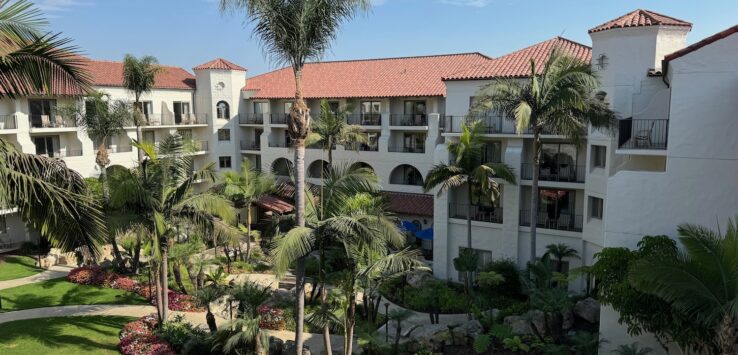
<point>599,156</point>
<point>42,113</point>
<point>596,208</point>
<point>261,108</point>
<point>47,146</point>
<point>371,108</point>
<point>223,109</point>
<point>181,111</point>
<point>484,257</point>
<point>492,152</point>
<point>186,134</point>
<point>150,137</point>
<point>287,107</point>
<point>335,106</point>
<point>224,162</point>
<point>413,142</point>
<point>145,107</point>
<point>224,134</point>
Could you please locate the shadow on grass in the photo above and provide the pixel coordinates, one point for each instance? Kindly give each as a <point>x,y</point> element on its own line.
<point>59,292</point>
<point>96,334</point>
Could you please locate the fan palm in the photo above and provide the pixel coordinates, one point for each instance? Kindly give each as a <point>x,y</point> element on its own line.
<point>560,252</point>
<point>139,77</point>
<point>331,128</point>
<point>205,297</point>
<point>702,281</point>
<point>467,168</point>
<point>294,32</point>
<point>243,189</point>
<point>44,191</point>
<point>556,98</point>
<point>238,336</point>
<point>160,193</point>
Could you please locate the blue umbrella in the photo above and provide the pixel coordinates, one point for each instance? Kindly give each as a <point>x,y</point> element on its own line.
<point>409,226</point>
<point>426,234</point>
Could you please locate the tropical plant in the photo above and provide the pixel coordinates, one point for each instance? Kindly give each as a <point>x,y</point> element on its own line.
<point>632,349</point>
<point>205,297</point>
<point>159,193</point>
<point>139,77</point>
<point>216,278</point>
<point>467,263</point>
<point>557,98</point>
<point>250,295</point>
<point>295,32</point>
<point>586,343</point>
<point>468,169</point>
<point>701,282</point>
<point>243,189</point>
<point>237,336</point>
<point>398,315</point>
<point>180,255</point>
<point>332,128</point>
<point>561,251</point>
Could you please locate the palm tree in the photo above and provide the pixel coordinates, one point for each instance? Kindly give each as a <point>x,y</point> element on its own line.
<point>468,169</point>
<point>243,189</point>
<point>160,192</point>
<point>294,32</point>
<point>558,98</point>
<point>46,194</point>
<point>139,77</point>
<point>331,128</point>
<point>702,281</point>
<point>561,251</point>
<point>205,297</point>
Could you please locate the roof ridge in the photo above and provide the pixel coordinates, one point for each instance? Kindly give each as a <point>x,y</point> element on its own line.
<point>121,62</point>
<point>652,18</point>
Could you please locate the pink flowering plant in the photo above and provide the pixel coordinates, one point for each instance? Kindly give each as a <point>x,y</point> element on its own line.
<point>271,318</point>
<point>138,338</point>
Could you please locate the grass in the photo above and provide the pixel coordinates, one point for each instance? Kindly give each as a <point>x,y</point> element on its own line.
<point>63,335</point>
<point>59,292</point>
<point>16,267</point>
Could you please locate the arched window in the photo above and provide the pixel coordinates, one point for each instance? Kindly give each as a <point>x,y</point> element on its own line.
<point>406,175</point>
<point>224,110</point>
<point>362,165</point>
<point>282,167</point>
<point>318,168</point>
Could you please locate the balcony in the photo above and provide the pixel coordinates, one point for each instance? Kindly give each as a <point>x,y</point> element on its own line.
<point>363,147</point>
<point>273,144</point>
<point>63,153</point>
<point>50,121</point>
<point>185,119</point>
<point>200,146</point>
<point>120,149</point>
<point>7,122</point>
<point>564,221</point>
<point>406,120</point>
<point>647,134</point>
<point>560,173</point>
<point>365,119</point>
<point>249,145</point>
<point>492,124</point>
<point>478,213</point>
<point>404,149</point>
<point>252,118</point>
<point>279,118</point>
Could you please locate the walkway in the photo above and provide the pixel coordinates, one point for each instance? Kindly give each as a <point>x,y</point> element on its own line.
<point>53,272</point>
<point>196,318</point>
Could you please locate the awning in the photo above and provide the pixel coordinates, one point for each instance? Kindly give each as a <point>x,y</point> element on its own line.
<point>425,234</point>
<point>274,204</point>
<point>409,204</point>
<point>409,226</point>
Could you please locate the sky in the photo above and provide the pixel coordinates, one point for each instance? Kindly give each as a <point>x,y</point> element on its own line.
<point>186,33</point>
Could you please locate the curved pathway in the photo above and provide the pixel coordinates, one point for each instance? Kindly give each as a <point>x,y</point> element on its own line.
<point>53,272</point>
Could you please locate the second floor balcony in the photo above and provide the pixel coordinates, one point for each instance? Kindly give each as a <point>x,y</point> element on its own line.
<point>250,145</point>
<point>559,173</point>
<point>61,153</point>
<point>120,149</point>
<point>280,144</point>
<point>406,149</point>
<point>365,119</point>
<point>649,134</point>
<point>7,122</point>
<point>397,119</point>
<point>253,118</point>
<point>51,121</point>
<point>554,220</point>
<point>493,124</point>
<point>169,119</point>
<point>279,118</point>
<point>487,214</point>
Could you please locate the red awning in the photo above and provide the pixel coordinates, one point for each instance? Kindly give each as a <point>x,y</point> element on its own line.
<point>409,204</point>
<point>274,204</point>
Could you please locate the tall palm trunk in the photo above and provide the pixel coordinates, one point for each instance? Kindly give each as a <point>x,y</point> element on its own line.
<point>299,129</point>
<point>728,337</point>
<point>137,254</point>
<point>139,131</point>
<point>248,232</point>
<point>178,277</point>
<point>534,191</point>
<point>350,323</point>
<point>468,217</point>
<point>159,301</point>
<point>164,276</point>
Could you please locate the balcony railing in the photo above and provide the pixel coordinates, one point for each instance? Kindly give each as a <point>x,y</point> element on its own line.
<point>51,121</point>
<point>564,221</point>
<point>279,118</point>
<point>63,153</point>
<point>120,149</point>
<point>249,145</point>
<point>8,122</point>
<point>170,119</point>
<point>492,124</point>
<point>397,119</point>
<point>404,149</point>
<point>561,173</point>
<point>478,213</point>
<point>200,146</point>
<point>365,119</point>
<point>253,118</point>
<point>364,147</point>
<point>643,133</point>
<point>273,144</point>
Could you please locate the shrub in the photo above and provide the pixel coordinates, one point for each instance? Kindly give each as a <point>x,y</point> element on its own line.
<point>506,268</point>
<point>88,275</point>
<point>177,332</point>
<point>271,318</point>
<point>138,338</point>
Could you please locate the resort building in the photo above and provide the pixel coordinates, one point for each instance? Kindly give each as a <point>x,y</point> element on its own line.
<point>671,159</point>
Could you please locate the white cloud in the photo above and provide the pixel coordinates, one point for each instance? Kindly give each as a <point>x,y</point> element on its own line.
<point>59,5</point>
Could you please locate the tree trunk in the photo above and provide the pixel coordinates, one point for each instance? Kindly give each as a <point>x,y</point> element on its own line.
<point>248,231</point>
<point>164,275</point>
<point>728,336</point>
<point>137,255</point>
<point>192,276</point>
<point>178,277</point>
<point>398,332</point>
<point>159,300</point>
<point>534,192</point>
<point>350,323</point>
<point>139,131</point>
<point>210,319</point>
<point>468,218</point>
<point>326,329</point>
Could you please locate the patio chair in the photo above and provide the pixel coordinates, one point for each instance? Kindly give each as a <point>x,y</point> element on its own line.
<point>643,136</point>
<point>45,122</point>
<point>59,121</point>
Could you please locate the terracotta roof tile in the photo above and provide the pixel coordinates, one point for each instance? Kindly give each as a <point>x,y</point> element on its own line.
<point>402,203</point>
<point>517,64</point>
<point>388,77</point>
<point>110,73</point>
<point>219,63</point>
<point>640,18</point>
<point>695,46</point>
<point>274,204</point>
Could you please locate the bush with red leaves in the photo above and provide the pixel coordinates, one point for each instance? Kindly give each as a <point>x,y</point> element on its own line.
<point>138,338</point>
<point>271,318</point>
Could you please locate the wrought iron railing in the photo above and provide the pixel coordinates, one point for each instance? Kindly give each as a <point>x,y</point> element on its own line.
<point>478,213</point>
<point>561,172</point>
<point>559,221</point>
<point>643,133</point>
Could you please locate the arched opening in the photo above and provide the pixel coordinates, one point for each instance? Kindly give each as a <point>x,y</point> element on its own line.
<point>318,169</point>
<point>224,111</point>
<point>362,165</point>
<point>406,175</point>
<point>282,167</point>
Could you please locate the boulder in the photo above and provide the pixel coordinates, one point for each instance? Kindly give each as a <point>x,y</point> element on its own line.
<point>519,324</point>
<point>429,336</point>
<point>536,318</point>
<point>220,307</point>
<point>275,346</point>
<point>289,348</point>
<point>588,309</point>
<point>568,319</point>
<point>417,279</point>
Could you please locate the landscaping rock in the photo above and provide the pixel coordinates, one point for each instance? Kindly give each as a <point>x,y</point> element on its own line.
<point>220,307</point>
<point>417,279</point>
<point>588,309</point>
<point>275,346</point>
<point>536,318</point>
<point>289,348</point>
<point>430,336</point>
<point>568,319</point>
<point>519,324</point>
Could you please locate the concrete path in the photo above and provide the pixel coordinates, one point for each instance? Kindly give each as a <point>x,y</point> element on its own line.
<point>53,272</point>
<point>196,318</point>
<point>313,340</point>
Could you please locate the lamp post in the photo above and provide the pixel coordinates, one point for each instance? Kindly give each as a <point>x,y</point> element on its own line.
<point>386,320</point>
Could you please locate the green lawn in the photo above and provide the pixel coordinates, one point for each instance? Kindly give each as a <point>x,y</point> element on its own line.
<point>60,292</point>
<point>15,267</point>
<point>63,335</point>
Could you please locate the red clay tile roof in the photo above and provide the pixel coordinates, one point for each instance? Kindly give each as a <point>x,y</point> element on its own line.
<point>388,77</point>
<point>517,64</point>
<point>640,18</point>
<point>219,63</point>
<point>274,204</point>
<point>402,203</point>
<point>695,46</point>
<point>110,73</point>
